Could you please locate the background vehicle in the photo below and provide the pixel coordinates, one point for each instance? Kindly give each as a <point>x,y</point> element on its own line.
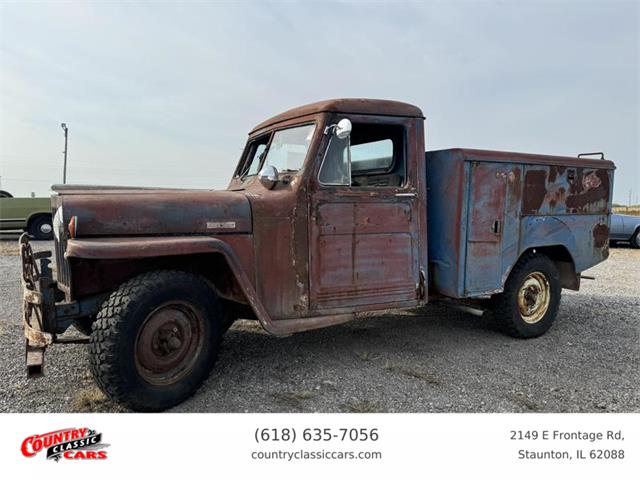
<point>625,228</point>
<point>333,209</point>
<point>31,214</point>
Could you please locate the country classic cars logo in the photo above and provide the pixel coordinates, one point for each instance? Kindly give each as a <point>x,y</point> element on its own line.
<point>70,443</point>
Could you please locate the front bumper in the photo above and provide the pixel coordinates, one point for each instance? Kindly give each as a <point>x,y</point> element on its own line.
<point>45,314</point>
<point>38,289</point>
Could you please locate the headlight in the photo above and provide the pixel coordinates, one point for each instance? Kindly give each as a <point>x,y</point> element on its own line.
<point>58,223</point>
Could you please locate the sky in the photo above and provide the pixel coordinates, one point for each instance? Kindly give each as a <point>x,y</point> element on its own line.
<point>164,93</point>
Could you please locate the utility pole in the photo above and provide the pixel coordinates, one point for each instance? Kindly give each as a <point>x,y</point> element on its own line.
<point>66,136</point>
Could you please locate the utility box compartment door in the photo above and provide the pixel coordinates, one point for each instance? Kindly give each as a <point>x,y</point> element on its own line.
<point>485,230</point>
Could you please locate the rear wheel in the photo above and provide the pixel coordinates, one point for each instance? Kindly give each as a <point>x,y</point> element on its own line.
<point>529,303</point>
<point>635,241</point>
<point>41,228</point>
<point>156,339</point>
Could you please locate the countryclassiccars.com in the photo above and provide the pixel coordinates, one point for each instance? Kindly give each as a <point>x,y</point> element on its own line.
<point>334,209</point>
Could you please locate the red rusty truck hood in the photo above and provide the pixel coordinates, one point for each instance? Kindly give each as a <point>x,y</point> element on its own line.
<point>131,211</point>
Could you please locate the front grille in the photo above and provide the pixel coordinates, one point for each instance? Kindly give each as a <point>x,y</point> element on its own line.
<point>62,265</point>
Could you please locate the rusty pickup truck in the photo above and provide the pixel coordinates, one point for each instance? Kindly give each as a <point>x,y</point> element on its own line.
<point>333,209</point>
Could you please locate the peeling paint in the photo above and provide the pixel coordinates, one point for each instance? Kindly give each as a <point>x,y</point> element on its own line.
<point>600,235</point>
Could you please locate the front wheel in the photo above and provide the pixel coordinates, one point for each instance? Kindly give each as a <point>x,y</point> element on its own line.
<point>635,241</point>
<point>156,339</point>
<point>529,303</point>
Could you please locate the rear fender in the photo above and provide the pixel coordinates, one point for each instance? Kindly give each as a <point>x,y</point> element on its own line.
<point>592,230</point>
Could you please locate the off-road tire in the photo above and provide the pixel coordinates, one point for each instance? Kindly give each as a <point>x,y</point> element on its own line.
<point>505,305</point>
<point>35,228</point>
<point>114,338</point>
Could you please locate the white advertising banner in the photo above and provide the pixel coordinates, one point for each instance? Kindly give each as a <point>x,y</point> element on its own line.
<point>317,445</point>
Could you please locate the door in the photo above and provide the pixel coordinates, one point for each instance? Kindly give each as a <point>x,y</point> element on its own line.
<point>485,226</point>
<point>364,229</point>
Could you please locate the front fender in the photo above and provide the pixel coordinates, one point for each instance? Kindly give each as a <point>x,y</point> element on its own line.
<point>143,247</point>
<point>148,247</point>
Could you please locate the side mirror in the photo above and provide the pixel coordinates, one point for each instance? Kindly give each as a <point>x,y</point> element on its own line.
<point>343,129</point>
<point>268,176</point>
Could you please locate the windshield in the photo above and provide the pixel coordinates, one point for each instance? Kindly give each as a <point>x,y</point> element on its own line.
<point>288,148</point>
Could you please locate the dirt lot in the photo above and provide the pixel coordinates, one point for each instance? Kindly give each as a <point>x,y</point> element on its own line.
<point>428,360</point>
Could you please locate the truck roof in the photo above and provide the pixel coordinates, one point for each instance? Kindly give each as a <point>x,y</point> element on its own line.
<point>518,157</point>
<point>364,106</point>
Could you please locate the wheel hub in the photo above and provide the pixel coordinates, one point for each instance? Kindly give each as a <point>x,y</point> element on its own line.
<point>168,343</point>
<point>534,297</point>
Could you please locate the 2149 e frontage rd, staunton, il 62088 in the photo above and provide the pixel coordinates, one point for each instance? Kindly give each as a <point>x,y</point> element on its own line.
<point>333,209</point>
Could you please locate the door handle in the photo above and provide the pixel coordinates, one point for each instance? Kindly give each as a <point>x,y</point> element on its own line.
<point>411,195</point>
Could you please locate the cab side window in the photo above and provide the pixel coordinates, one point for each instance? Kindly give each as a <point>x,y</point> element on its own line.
<point>378,157</point>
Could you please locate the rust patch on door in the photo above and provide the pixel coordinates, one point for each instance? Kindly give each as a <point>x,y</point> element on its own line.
<point>535,190</point>
<point>590,192</point>
<point>559,190</point>
<point>554,172</point>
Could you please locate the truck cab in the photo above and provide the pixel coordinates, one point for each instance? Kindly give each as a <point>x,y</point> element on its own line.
<point>340,234</point>
<point>334,208</point>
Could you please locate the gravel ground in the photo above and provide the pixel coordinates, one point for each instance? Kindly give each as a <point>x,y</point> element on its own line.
<point>426,360</point>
